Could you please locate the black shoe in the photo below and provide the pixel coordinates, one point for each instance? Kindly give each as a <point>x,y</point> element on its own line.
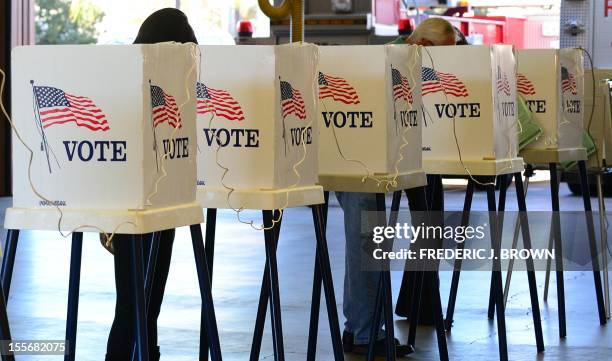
<point>380,347</point>
<point>347,341</point>
<point>155,355</point>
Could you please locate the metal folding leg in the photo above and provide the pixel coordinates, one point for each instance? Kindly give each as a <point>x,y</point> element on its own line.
<point>531,278</point>
<point>151,266</point>
<point>592,241</point>
<point>209,334</point>
<point>500,221</point>
<point>315,307</point>
<point>5,331</point>
<point>438,315</point>
<point>465,218</point>
<point>149,276</point>
<point>418,275</point>
<point>558,244</point>
<point>8,261</point>
<point>140,319</point>
<point>264,295</point>
<point>274,293</point>
<point>384,305</point>
<point>431,277</point>
<point>332,312</point>
<point>73,295</point>
<point>515,236</point>
<point>548,264</point>
<point>209,251</point>
<point>497,280</point>
<point>211,227</point>
<point>322,260</point>
<point>604,242</point>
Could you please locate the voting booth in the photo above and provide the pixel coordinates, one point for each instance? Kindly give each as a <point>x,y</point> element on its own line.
<point>105,124</point>
<point>551,81</point>
<point>370,118</point>
<point>470,118</point>
<point>257,127</point>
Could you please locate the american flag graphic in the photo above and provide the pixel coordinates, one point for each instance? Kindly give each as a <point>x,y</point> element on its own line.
<point>291,101</point>
<point>219,102</point>
<point>437,81</point>
<point>503,86</point>
<point>524,85</point>
<point>401,86</point>
<point>568,82</point>
<point>337,88</point>
<point>58,107</point>
<point>164,108</point>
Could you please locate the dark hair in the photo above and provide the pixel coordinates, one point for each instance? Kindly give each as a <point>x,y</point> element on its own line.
<point>459,37</point>
<point>167,24</point>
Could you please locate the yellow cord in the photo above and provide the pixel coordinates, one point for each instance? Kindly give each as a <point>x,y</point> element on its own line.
<point>108,236</point>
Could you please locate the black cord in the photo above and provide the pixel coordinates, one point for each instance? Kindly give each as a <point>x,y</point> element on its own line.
<point>593,78</point>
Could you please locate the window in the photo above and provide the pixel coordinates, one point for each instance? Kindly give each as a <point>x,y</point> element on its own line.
<point>117,21</point>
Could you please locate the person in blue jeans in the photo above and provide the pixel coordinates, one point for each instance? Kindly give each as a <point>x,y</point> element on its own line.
<point>360,287</point>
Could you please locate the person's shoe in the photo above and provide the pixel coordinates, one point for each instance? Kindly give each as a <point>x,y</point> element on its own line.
<point>347,341</point>
<point>155,355</point>
<point>380,348</point>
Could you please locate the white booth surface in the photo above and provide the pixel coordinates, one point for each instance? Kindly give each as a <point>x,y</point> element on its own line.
<point>257,127</point>
<point>469,97</point>
<point>370,118</point>
<point>104,123</point>
<point>552,83</point>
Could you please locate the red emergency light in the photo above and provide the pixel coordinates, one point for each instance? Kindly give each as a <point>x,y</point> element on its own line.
<point>405,26</point>
<point>244,28</point>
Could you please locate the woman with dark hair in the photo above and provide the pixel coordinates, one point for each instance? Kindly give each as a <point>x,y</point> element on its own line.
<point>460,37</point>
<point>161,26</point>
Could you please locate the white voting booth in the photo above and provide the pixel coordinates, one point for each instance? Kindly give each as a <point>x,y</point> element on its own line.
<point>370,118</point>
<point>257,127</point>
<point>469,97</point>
<point>551,81</point>
<point>100,120</point>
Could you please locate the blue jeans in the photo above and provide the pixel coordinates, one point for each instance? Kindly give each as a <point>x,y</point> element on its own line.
<point>360,287</point>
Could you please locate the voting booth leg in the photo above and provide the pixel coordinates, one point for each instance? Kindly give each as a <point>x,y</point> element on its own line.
<point>431,278</point>
<point>500,219</point>
<point>151,266</point>
<point>497,280</point>
<point>209,334</point>
<point>604,242</point>
<point>8,261</point>
<point>417,285</point>
<point>558,244</point>
<point>384,304</point>
<point>531,278</point>
<point>274,293</point>
<point>465,219</point>
<point>375,323</point>
<point>149,276</point>
<point>316,293</point>
<point>313,329</point>
<point>140,319</point>
<point>322,260</point>
<point>5,331</point>
<point>209,249</point>
<point>438,315</point>
<point>592,242</point>
<point>73,294</point>
<point>262,306</point>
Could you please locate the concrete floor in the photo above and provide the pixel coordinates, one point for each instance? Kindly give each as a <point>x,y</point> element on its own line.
<point>37,304</point>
